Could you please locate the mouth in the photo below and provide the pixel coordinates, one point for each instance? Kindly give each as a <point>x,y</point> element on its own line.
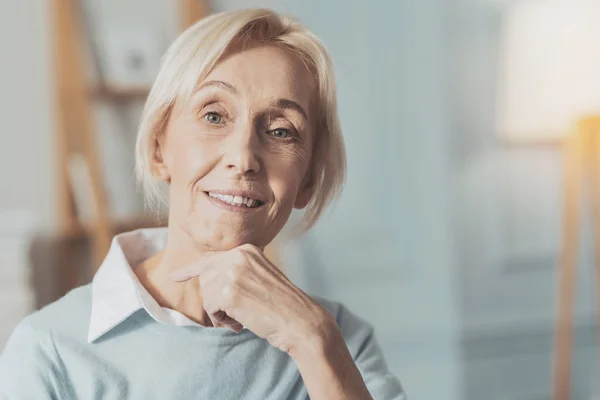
<point>240,200</point>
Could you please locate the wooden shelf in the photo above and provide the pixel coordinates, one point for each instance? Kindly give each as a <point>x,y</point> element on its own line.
<point>119,225</point>
<point>76,125</point>
<point>120,93</point>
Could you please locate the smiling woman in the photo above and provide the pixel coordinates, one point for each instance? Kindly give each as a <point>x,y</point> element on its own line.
<point>245,132</point>
<point>240,127</point>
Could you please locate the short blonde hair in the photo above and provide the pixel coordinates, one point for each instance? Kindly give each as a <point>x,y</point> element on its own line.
<point>195,53</point>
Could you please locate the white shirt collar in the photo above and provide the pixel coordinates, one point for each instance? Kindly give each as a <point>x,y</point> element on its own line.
<point>116,291</point>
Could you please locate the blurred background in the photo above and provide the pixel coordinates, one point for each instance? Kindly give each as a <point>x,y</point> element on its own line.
<point>468,175</point>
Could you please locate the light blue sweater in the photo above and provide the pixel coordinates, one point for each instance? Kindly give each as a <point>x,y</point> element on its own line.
<point>49,357</point>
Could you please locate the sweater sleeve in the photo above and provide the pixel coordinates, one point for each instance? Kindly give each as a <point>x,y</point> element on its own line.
<point>29,367</point>
<point>360,339</point>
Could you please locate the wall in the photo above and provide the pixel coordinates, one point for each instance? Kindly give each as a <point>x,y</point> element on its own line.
<point>508,220</point>
<point>26,173</point>
<point>386,250</point>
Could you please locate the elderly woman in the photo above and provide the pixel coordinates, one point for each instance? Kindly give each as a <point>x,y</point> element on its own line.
<point>240,127</point>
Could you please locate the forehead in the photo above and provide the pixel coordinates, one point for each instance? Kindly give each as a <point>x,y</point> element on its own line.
<point>266,72</point>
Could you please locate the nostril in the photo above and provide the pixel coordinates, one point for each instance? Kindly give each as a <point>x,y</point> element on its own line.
<point>242,162</point>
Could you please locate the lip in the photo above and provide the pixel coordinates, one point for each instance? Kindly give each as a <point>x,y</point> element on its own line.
<point>229,207</point>
<point>243,193</point>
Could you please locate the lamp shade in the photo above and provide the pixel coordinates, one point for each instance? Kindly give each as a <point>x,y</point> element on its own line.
<point>549,69</point>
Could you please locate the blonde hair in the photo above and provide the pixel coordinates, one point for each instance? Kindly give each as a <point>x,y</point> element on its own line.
<point>195,53</point>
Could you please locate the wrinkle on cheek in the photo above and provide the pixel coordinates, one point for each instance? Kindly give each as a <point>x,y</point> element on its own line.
<point>296,157</point>
<point>289,168</point>
<point>302,163</point>
<point>302,157</point>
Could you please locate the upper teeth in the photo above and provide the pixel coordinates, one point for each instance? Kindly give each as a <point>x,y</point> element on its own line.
<point>234,200</point>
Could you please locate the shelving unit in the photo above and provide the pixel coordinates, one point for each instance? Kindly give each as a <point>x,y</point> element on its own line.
<point>117,93</point>
<point>76,131</point>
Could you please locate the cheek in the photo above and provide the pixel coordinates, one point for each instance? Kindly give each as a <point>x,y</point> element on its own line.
<point>287,171</point>
<point>192,160</point>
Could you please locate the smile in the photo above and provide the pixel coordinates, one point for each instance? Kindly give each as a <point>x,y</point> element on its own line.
<point>235,200</point>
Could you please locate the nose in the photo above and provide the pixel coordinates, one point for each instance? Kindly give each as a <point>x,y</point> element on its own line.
<point>241,154</point>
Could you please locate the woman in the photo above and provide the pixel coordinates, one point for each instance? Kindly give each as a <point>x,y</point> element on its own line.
<point>240,127</point>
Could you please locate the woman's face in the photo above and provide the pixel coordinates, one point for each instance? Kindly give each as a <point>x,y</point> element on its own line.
<point>237,154</point>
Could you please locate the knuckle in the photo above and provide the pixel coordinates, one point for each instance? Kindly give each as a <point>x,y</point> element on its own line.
<point>236,276</point>
<point>240,258</point>
<point>210,307</point>
<point>247,247</point>
<point>229,296</point>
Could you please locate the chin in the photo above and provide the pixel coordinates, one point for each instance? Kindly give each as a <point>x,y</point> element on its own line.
<point>226,239</point>
<point>228,243</point>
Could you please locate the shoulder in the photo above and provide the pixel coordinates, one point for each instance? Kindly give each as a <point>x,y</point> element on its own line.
<point>343,316</point>
<point>355,329</point>
<point>366,353</point>
<point>34,338</point>
<point>67,315</point>
<point>30,364</point>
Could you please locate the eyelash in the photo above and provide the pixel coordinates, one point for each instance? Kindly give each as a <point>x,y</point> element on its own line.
<point>206,114</point>
<point>289,132</point>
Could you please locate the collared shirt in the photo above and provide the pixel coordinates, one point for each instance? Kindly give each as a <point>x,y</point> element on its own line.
<point>111,340</point>
<point>117,292</point>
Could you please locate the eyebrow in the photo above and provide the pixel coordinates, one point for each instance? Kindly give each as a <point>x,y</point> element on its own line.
<point>283,104</point>
<point>219,84</point>
<point>286,104</point>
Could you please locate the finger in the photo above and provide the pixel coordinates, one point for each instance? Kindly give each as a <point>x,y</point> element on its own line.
<point>215,323</point>
<point>222,318</point>
<point>237,328</point>
<point>218,316</point>
<point>194,269</point>
<point>182,275</point>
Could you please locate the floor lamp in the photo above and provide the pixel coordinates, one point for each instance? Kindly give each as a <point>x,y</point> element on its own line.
<point>582,177</point>
<point>550,94</point>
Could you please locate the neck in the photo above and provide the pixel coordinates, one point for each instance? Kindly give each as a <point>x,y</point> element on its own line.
<point>153,273</point>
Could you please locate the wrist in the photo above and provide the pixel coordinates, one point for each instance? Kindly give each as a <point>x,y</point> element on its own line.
<point>315,338</point>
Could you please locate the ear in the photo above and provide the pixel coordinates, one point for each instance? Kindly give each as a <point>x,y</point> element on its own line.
<point>306,192</point>
<point>160,169</point>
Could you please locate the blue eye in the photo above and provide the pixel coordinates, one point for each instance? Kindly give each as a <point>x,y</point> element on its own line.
<point>213,118</point>
<point>280,133</point>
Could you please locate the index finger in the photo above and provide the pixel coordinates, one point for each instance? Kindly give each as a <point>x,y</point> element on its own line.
<point>193,269</point>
